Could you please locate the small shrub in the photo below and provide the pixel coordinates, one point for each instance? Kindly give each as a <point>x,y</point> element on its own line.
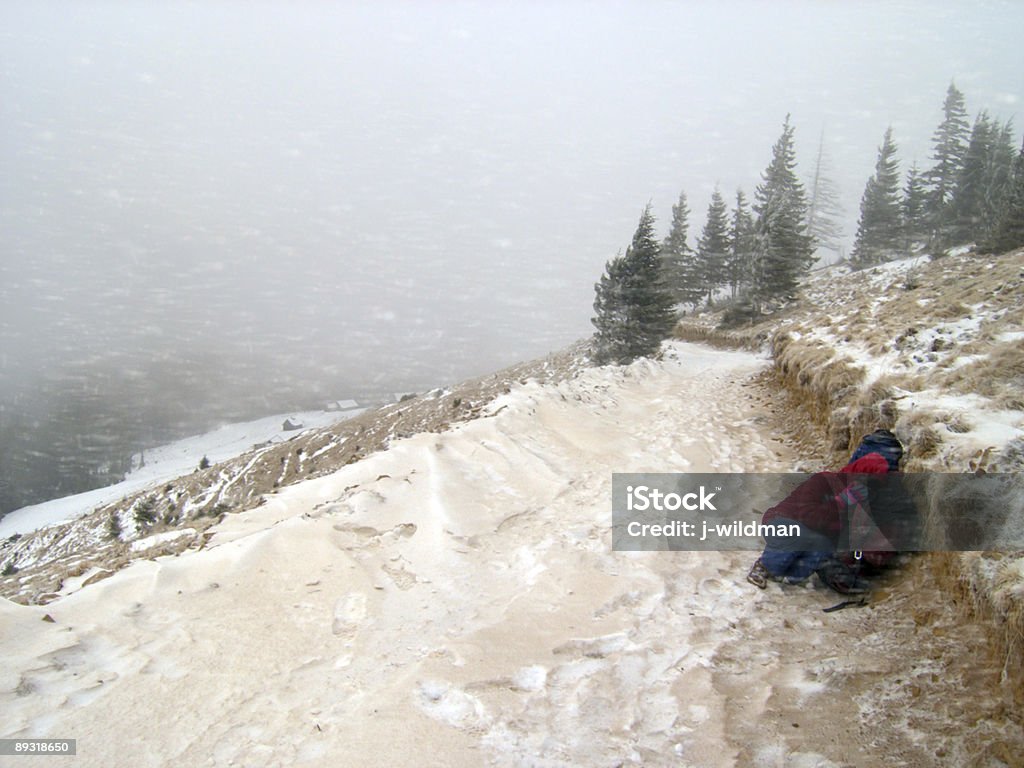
<point>9,570</point>
<point>170,516</point>
<point>204,463</point>
<point>924,443</point>
<point>740,314</point>
<point>215,511</point>
<point>145,512</point>
<point>114,526</point>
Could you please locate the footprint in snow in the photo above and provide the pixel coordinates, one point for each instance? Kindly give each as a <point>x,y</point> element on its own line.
<point>349,613</point>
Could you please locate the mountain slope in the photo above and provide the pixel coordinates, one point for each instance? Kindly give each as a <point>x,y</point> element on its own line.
<point>933,349</point>
<point>37,565</point>
<point>454,599</point>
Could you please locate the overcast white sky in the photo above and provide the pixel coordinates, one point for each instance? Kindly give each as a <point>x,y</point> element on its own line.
<point>434,186</point>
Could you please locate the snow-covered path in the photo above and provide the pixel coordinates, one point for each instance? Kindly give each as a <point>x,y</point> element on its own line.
<point>453,600</point>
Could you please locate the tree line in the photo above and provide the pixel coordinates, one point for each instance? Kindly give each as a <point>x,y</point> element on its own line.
<point>754,255</point>
<point>973,193</point>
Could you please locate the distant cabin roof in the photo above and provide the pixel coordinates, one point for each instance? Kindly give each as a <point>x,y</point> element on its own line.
<point>342,405</point>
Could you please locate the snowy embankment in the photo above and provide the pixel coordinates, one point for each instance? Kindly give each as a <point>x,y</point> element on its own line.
<point>168,462</point>
<point>934,350</point>
<point>455,600</point>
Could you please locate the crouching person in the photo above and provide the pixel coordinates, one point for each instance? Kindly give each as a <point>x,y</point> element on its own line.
<point>793,559</point>
<point>821,508</point>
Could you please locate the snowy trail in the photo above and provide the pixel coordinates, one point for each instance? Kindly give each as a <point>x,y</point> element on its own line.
<point>453,600</point>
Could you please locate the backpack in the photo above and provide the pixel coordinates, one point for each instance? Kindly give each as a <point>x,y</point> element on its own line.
<point>884,443</point>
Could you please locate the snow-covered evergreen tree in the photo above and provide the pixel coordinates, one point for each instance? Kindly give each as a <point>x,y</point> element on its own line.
<point>713,246</point>
<point>114,528</point>
<point>998,178</point>
<point>880,228</point>
<point>950,145</point>
<point>633,307</point>
<point>915,201</point>
<point>1008,233</point>
<point>964,215</point>
<point>739,266</point>
<point>783,249</point>
<point>824,211</point>
<point>612,318</point>
<point>679,263</point>
<point>983,183</point>
<point>144,512</point>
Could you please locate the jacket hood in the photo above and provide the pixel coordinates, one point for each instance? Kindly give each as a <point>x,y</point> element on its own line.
<point>872,463</point>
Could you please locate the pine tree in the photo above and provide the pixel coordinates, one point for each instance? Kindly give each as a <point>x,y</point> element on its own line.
<point>983,183</point>
<point>612,319</point>
<point>950,142</point>
<point>713,246</point>
<point>880,228</point>
<point>1009,230</point>
<point>824,211</point>
<point>783,249</point>
<point>114,526</point>
<point>679,263</point>
<point>632,305</point>
<point>998,184</point>
<point>915,200</point>
<point>145,512</point>
<point>965,205</point>
<point>739,266</point>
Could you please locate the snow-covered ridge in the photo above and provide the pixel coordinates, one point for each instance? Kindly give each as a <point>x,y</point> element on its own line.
<point>100,541</point>
<point>933,348</point>
<point>167,462</point>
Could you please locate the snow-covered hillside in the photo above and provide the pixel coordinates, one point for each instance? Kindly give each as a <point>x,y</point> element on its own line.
<point>938,345</point>
<point>167,462</point>
<point>171,516</point>
<point>454,600</point>
<point>933,348</point>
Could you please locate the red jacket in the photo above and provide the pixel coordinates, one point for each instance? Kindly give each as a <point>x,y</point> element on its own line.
<point>815,503</point>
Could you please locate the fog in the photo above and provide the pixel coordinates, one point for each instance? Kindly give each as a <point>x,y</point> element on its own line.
<point>216,210</point>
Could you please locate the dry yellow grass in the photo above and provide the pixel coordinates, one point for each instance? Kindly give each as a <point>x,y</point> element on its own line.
<point>997,374</point>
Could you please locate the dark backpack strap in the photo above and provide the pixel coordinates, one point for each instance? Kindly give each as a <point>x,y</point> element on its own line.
<point>845,604</point>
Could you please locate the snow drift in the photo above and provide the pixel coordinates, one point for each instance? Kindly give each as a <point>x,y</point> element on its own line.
<point>455,593</point>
